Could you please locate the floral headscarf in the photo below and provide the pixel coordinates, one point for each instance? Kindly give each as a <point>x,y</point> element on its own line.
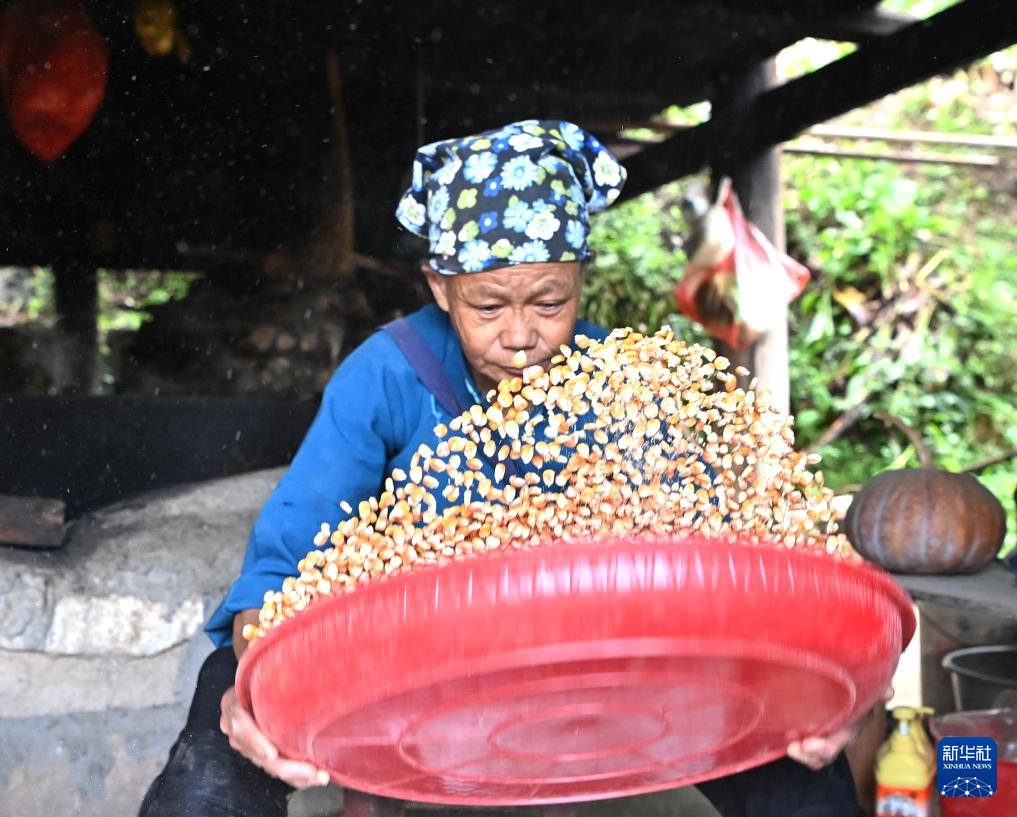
<point>516,195</point>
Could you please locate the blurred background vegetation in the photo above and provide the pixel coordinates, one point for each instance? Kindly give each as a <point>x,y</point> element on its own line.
<point>912,308</point>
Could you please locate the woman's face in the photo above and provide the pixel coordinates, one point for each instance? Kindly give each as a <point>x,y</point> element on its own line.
<point>528,308</point>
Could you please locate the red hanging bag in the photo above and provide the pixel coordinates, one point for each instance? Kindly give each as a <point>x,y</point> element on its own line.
<point>53,67</point>
<point>737,285</point>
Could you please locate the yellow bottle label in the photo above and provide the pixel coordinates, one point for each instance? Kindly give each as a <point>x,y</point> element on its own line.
<point>894,801</point>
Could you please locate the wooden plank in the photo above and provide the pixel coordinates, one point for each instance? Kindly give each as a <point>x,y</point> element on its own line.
<point>960,611</point>
<point>609,129</point>
<point>623,147</point>
<point>954,37</point>
<point>31,521</point>
<point>992,590</point>
<point>968,140</point>
<point>902,156</point>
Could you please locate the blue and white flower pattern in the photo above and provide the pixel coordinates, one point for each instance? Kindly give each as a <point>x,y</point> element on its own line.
<point>447,173</point>
<point>517,215</point>
<point>412,212</point>
<point>575,234</point>
<point>532,252</point>
<point>543,225</point>
<point>598,201</point>
<point>523,142</point>
<point>479,166</point>
<point>438,204</point>
<point>446,244</point>
<point>573,135</point>
<point>519,173</point>
<point>488,222</point>
<point>492,187</point>
<point>606,170</point>
<point>519,194</point>
<point>475,255</point>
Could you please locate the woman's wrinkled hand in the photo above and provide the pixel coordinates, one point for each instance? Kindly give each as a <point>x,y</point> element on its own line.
<point>819,752</point>
<point>246,738</point>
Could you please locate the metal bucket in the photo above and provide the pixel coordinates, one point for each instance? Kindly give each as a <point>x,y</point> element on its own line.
<point>983,677</point>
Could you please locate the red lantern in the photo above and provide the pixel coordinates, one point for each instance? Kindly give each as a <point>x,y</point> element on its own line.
<point>52,73</point>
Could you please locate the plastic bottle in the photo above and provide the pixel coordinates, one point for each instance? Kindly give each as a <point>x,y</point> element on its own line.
<point>917,727</point>
<point>905,767</point>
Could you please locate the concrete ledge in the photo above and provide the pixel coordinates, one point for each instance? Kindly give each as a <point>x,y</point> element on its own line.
<point>135,579</point>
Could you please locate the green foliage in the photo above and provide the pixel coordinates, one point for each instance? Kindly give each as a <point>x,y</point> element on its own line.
<point>809,54</point>
<point>912,309</point>
<point>940,281</point>
<point>922,9</point>
<point>638,261</point>
<point>632,277</point>
<point>124,297</point>
<point>26,294</point>
<point>40,301</point>
<point>687,115</point>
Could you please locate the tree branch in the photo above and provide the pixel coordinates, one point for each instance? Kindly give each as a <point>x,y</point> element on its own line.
<point>841,424</point>
<point>924,452</point>
<point>995,459</point>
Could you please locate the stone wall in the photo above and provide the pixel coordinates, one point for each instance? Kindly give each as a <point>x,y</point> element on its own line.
<point>101,641</point>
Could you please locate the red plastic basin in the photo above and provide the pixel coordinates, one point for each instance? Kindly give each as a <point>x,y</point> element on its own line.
<point>577,672</point>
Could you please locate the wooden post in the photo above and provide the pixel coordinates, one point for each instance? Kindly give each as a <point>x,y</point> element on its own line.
<point>757,181</point>
<point>76,298</point>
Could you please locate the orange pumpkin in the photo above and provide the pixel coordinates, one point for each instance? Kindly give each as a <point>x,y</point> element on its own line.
<point>926,520</point>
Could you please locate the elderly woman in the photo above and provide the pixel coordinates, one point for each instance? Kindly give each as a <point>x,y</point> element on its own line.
<point>506,216</point>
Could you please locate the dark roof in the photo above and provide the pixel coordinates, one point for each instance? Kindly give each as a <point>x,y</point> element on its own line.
<point>234,152</point>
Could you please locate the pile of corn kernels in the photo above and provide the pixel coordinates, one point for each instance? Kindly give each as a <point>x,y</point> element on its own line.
<point>639,434</point>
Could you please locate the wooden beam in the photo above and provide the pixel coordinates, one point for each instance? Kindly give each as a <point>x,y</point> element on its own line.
<point>609,130</point>
<point>787,21</point>
<point>623,148</point>
<point>31,521</point>
<point>861,26</point>
<point>953,37</point>
<point>967,140</point>
<point>903,156</point>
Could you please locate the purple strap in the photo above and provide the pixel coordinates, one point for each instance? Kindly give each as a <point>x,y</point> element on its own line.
<point>430,371</point>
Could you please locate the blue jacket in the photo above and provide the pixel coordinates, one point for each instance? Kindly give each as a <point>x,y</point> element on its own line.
<point>374,415</point>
